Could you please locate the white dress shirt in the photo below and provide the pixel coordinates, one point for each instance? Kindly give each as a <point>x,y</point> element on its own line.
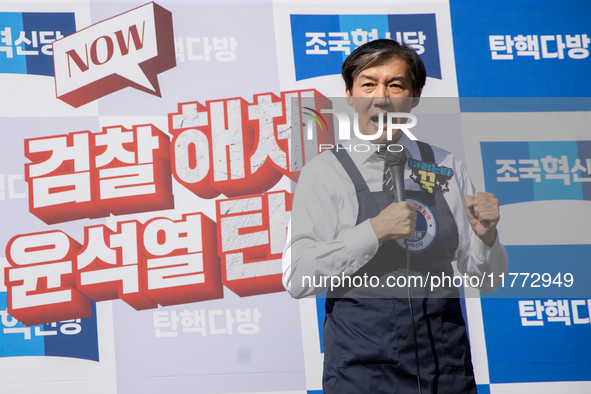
<point>324,240</point>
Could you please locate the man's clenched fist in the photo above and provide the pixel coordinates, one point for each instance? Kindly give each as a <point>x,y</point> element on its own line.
<point>482,211</point>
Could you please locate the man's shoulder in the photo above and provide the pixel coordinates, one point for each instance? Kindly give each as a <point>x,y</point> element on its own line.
<point>444,157</point>
<point>324,161</point>
<point>324,174</point>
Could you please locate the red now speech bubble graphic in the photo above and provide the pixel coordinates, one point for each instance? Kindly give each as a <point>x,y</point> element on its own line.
<point>130,49</point>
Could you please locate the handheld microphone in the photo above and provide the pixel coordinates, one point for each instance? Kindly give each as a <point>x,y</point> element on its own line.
<point>395,162</point>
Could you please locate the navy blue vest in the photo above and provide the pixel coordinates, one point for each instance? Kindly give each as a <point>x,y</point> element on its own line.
<point>368,340</point>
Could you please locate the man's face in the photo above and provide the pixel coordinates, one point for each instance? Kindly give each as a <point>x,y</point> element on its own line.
<point>378,90</point>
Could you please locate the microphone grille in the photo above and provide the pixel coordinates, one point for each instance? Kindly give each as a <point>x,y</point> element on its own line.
<point>395,158</point>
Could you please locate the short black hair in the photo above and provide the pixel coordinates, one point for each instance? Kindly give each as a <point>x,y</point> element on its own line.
<point>378,52</point>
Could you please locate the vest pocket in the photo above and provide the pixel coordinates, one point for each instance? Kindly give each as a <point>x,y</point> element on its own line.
<point>364,332</point>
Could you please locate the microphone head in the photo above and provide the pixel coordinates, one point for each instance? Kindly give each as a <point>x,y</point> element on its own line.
<point>395,158</point>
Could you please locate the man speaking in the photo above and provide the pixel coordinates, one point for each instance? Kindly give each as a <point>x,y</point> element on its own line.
<point>387,328</point>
